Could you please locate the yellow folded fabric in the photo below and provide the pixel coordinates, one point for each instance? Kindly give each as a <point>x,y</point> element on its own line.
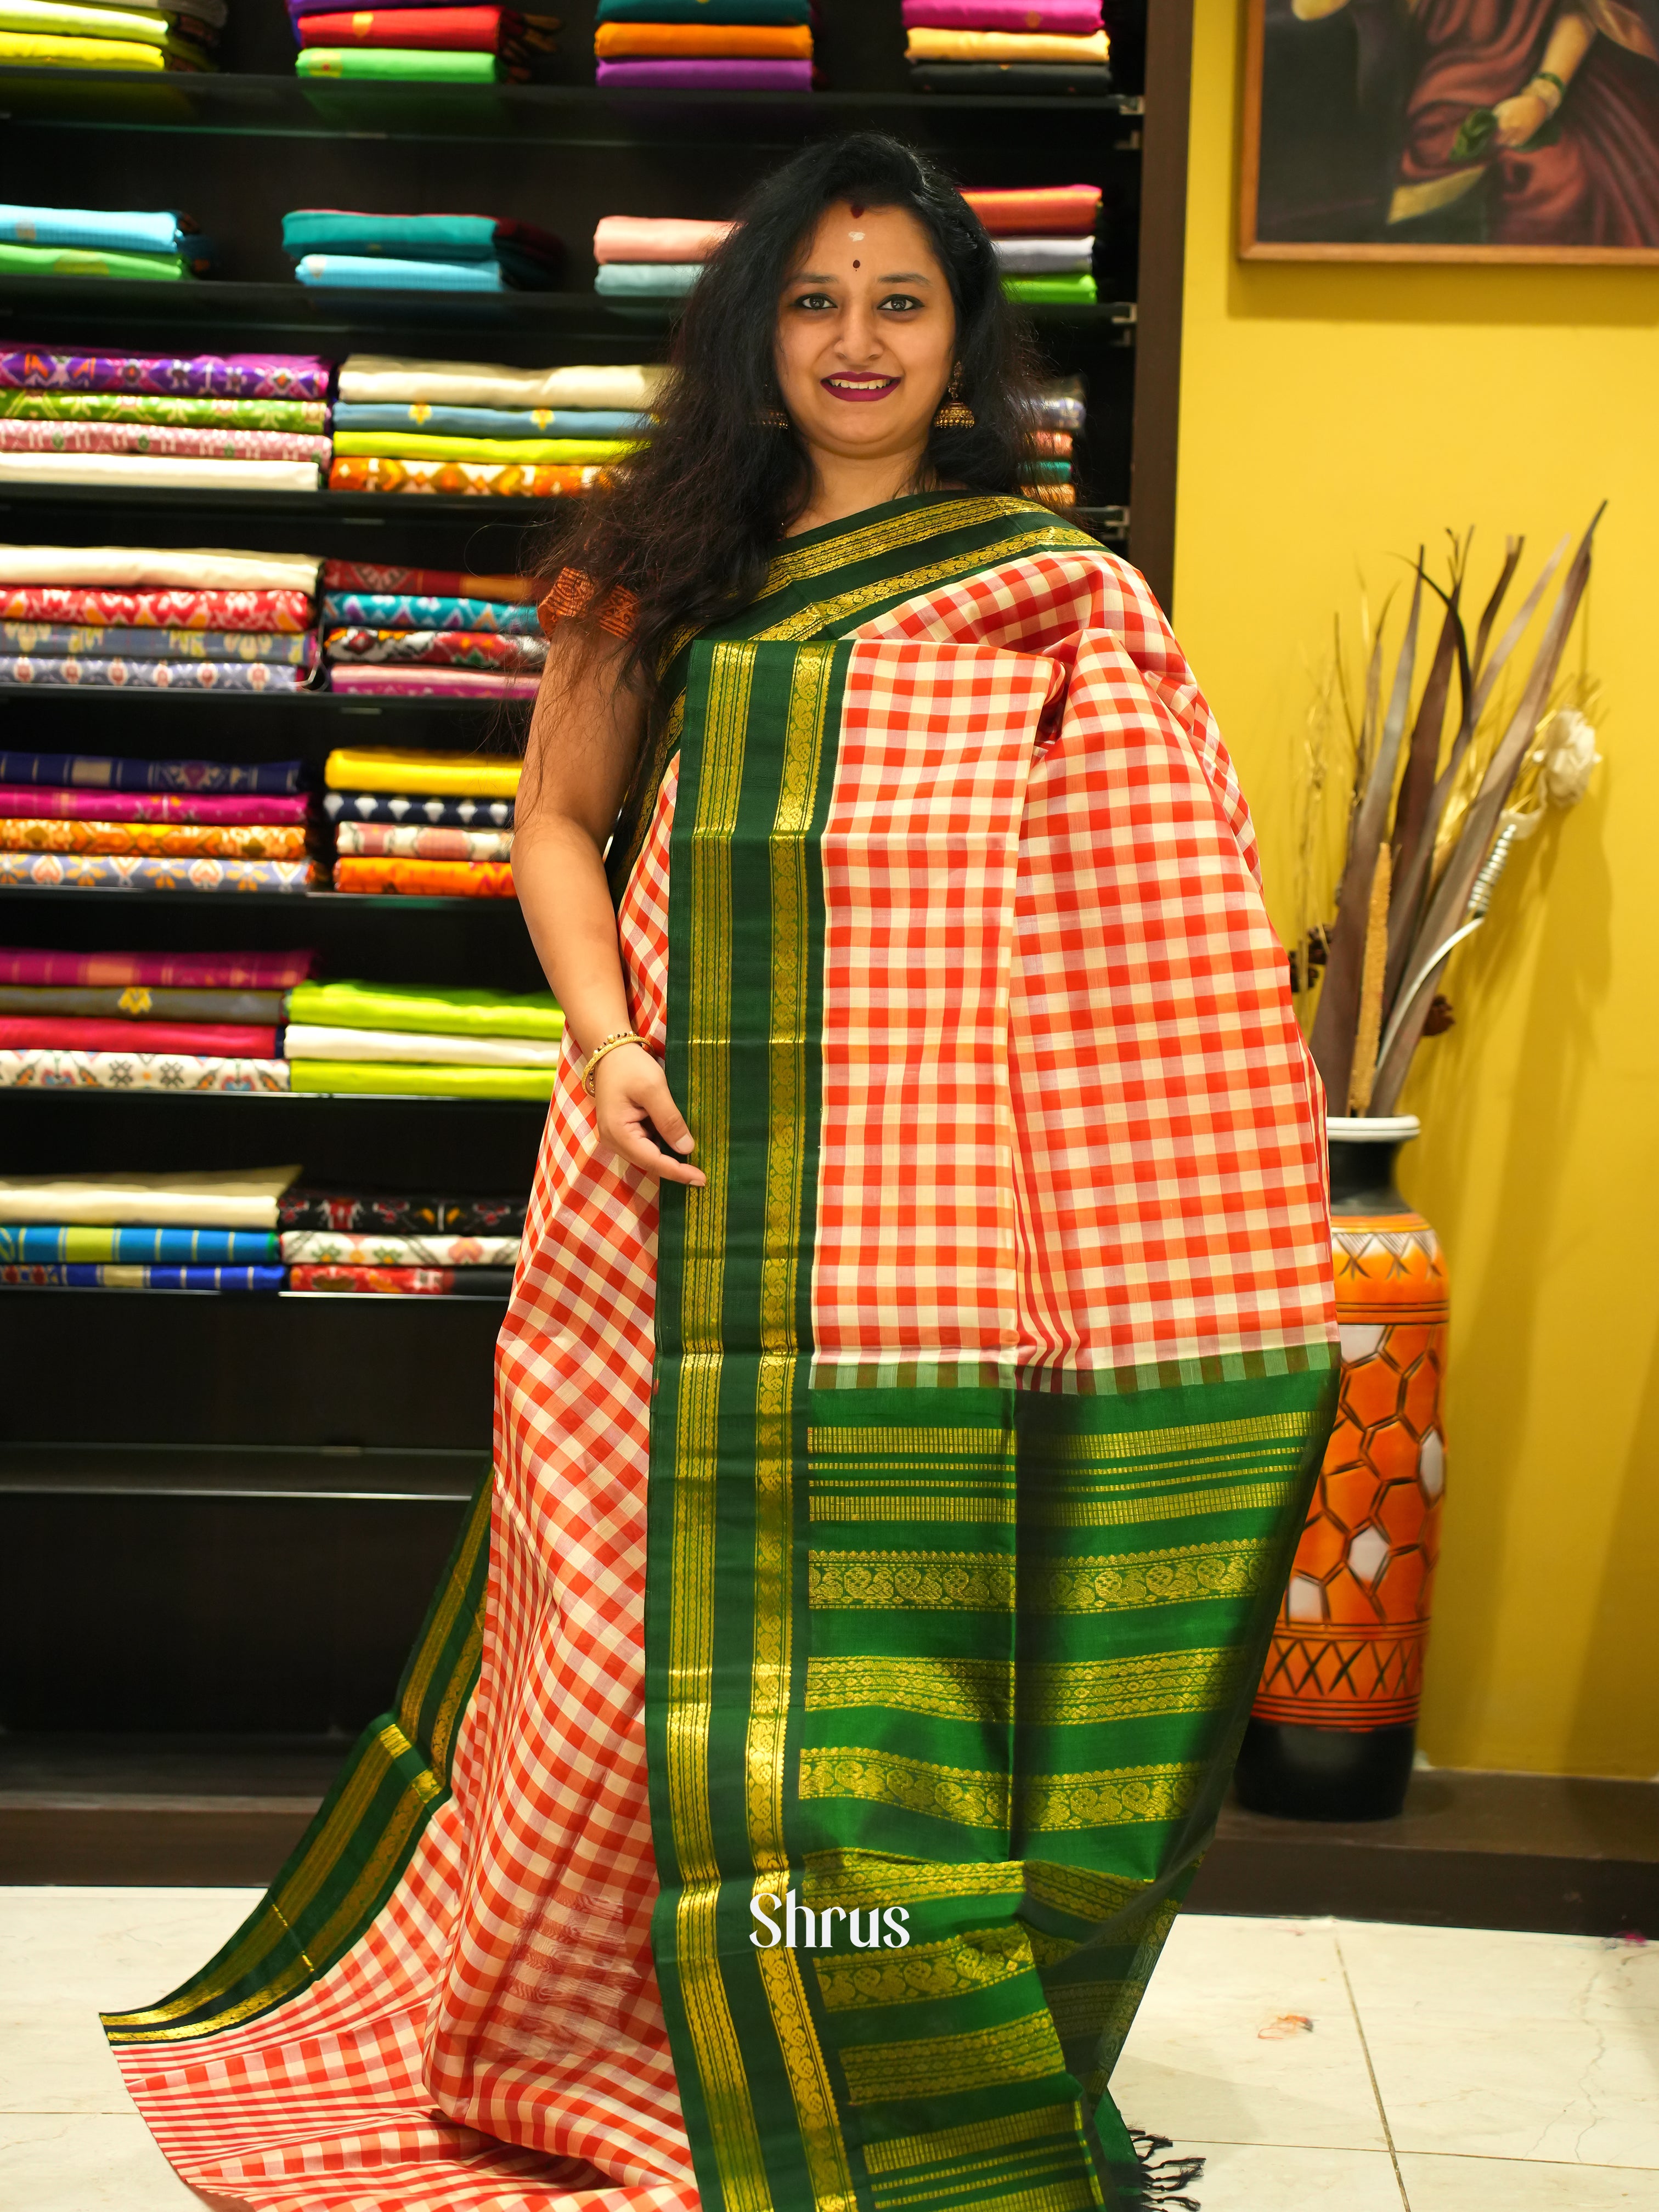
<point>38,47</point>
<point>494,453</point>
<point>412,1079</point>
<point>1004,46</point>
<point>437,776</point>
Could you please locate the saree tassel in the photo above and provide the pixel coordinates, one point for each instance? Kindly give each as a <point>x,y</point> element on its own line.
<point>1164,2181</point>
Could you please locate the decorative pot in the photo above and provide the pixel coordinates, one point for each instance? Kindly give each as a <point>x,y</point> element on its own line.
<point>1333,1731</point>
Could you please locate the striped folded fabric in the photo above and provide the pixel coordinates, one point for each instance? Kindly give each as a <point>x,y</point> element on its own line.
<point>83,1278</point>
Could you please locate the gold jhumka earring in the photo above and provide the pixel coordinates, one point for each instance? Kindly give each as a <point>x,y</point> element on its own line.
<point>954,413</point>
<point>771,418</point>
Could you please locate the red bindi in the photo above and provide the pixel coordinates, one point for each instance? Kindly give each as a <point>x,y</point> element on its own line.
<point>857,209</point>
<point>858,265</point>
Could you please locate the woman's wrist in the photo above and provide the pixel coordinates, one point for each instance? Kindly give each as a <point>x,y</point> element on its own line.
<point>618,1041</point>
<point>1545,85</point>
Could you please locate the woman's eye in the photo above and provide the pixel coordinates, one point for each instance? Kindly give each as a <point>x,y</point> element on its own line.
<point>901,303</point>
<point>815,302</point>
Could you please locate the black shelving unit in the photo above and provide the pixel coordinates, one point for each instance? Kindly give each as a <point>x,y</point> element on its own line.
<point>230,1509</point>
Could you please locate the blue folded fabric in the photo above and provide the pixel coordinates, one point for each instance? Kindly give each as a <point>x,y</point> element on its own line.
<point>491,422</point>
<point>102,230</point>
<point>83,1276</point>
<point>128,1247</point>
<point>367,273</point>
<point>646,279</point>
<point>403,237</point>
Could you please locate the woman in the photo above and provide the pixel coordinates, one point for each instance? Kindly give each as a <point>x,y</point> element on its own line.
<point>915,1372</point>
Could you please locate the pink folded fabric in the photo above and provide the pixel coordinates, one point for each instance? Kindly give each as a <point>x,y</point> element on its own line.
<point>706,76</point>
<point>652,238</point>
<point>406,683</point>
<point>33,802</point>
<point>1070,18</point>
<point>213,442</point>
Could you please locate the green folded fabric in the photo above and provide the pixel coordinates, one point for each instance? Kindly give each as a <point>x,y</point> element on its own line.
<point>1065,291</point>
<point>409,1080</point>
<point>423,1006</point>
<point>81,261</point>
<point>185,413</point>
<point>406,63</point>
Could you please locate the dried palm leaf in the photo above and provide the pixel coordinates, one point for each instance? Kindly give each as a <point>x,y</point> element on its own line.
<point>1332,1038</point>
<point>1369,1026</point>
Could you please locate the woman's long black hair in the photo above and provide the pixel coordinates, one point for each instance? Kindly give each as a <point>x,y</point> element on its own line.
<point>688,519</point>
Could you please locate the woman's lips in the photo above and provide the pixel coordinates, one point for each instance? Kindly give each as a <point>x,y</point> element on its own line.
<point>872,388</point>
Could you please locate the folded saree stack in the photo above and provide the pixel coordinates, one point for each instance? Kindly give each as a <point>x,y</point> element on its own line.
<point>202,1231</point>
<point>155,619</point>
<point>334,246</point>
<point>131,34</point>
<point>382,1242</point>
<point>651,257</point>
<point>424,633</point>
<point>705,45</point>
<point>1044,240</point>
<point>206,422</point>
<point>1030,47</point>
<point>421,44</point>
<point>456,426</point>
<point>1060,417</point>
<point>144,1021</point>
<point>400,1040</point>
<point>54,241</point>
<point>79,822</point>
<point>381,802</point>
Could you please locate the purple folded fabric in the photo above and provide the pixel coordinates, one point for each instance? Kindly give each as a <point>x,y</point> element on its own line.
<point>410,683</point>
<point>707,76</point>
<point>1069,18</point>
<point>232,375</point>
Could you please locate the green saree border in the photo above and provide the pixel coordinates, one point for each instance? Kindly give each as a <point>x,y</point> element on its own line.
<point>351,1857</point>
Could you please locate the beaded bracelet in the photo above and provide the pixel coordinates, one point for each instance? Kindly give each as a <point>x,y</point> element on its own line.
<point>608,1044</point>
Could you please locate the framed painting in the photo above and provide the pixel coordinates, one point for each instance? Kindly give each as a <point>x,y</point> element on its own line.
<point>1451,131</point>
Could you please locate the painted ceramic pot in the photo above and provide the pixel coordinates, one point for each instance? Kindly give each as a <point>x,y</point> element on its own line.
<point>1333,1731</point>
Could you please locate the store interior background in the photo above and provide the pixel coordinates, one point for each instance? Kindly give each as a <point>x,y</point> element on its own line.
<point>1331,416</point>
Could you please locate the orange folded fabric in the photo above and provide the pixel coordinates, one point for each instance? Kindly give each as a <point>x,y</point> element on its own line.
<point>721,41</point>
<point>1038,212</point>
<point>425,878</point>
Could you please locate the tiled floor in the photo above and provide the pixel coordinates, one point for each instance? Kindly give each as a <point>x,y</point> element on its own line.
<point>1320,2066</point>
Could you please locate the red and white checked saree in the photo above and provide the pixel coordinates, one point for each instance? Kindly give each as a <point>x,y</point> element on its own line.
<point>899,1521</point>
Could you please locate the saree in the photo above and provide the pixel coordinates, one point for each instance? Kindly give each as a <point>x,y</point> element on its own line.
<point>889,1531</point>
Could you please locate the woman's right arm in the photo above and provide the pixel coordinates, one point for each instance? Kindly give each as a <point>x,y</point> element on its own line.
<point>584,735</point>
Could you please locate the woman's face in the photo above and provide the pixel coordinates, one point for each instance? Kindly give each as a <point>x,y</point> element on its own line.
<point>866,335</point>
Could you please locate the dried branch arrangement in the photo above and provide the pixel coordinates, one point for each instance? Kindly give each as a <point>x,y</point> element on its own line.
<point>1433,819</point>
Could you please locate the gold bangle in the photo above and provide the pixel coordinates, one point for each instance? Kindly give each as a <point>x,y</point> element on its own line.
<point>608,1044</point>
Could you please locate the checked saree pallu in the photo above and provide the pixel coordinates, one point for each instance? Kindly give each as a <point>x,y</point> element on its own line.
<point>894,1524</point>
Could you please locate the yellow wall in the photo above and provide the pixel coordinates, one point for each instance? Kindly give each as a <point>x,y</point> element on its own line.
<point>1331,418</point>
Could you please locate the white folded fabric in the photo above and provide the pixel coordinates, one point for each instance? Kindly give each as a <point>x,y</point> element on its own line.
<point>1044,256</point>
<point>369,377</point>
<point>334,1248</point>
<point>199,568</point>
<point>158,471</point>
<point>313,1041</point>
<point>235,1198</point>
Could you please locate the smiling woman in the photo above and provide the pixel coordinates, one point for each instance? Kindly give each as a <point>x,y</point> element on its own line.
<point>918,1364</point>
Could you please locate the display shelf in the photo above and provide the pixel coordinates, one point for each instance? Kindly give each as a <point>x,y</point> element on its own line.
<point>568,115</point>
<point>348,1474</point>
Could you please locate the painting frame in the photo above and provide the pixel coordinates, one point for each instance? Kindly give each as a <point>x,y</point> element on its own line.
<point>1252,246</point>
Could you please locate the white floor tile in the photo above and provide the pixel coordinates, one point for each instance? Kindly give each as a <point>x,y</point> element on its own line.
<point>110,1949</point>
<point>1264,2177</point>
<point>1247,2036</point>
<point>1487,1969</point>
<point>87,2163</point>
<point>1510,2046</point>
<point>1454,2184</point>
<point>54,2058</point>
